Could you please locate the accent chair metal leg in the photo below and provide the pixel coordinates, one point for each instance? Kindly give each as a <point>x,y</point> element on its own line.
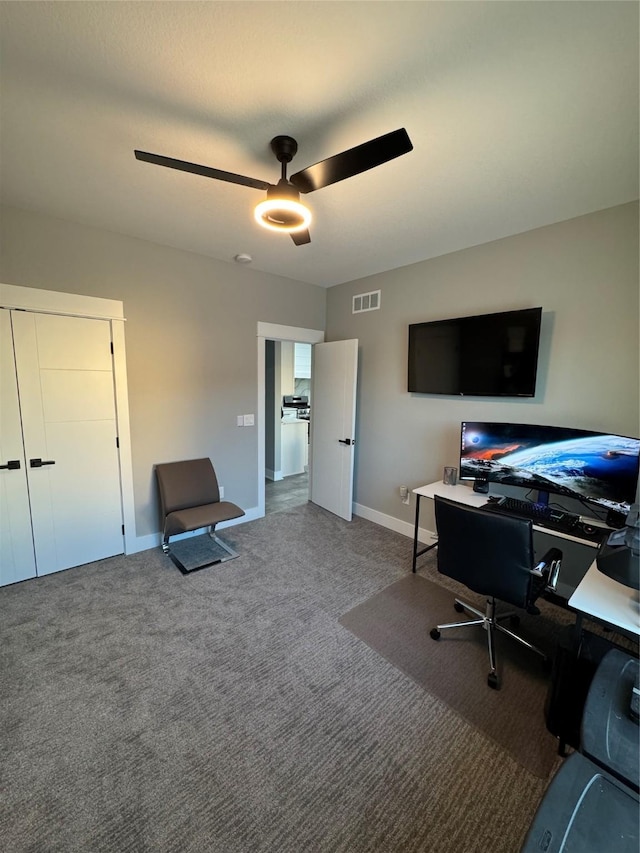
<point>232,554</point>
<point>229,552</point>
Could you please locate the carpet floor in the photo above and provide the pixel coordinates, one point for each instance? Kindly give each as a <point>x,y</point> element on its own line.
<point>229,711</point>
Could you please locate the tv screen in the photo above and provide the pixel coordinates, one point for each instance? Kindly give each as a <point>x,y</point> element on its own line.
<point>487,355</point>
<point>597,467</point>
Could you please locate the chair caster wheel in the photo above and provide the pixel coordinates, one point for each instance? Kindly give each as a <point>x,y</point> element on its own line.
<point>547,664</point>
<point>434,634</point>
<point>458,607</point>
<point>515,620</point>
<point>492,681</point>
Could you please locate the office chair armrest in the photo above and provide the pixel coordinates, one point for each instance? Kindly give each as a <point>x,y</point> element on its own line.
<point>549,568</point>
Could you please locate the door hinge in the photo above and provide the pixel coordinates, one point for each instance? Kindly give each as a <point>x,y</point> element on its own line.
<point>117,441</point>
<point>123,529</point>
<point>111,345</point>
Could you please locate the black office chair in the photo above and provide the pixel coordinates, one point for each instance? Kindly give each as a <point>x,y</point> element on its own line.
<point>190,500</point>
<point>492,555</point>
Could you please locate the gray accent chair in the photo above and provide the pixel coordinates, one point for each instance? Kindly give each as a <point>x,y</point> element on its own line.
<point>190,500</point>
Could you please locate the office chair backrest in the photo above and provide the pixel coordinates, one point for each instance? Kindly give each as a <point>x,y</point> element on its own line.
<point>491,554</point>
<point>187,484</point>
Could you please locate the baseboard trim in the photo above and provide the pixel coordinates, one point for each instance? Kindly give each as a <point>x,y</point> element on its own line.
<point>426,537</point>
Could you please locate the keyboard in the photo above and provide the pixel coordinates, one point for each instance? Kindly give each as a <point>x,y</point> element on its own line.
<point>540,514</point>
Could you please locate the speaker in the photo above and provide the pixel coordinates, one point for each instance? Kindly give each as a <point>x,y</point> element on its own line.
<point>592,525</point>
<point>616,519</point>
<point>481,484</point>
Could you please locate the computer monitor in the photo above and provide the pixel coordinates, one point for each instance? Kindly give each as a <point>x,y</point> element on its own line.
<point>597,467</point>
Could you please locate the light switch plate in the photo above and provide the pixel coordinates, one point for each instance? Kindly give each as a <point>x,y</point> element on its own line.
<point>249,420</point>
<point>240,420</point>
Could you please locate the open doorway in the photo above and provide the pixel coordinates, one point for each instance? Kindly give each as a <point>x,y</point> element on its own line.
<point>270,417</point>
<point>333,426</point>
<point>288,407</point>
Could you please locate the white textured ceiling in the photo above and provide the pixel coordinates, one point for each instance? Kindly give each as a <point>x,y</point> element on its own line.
<point>521,114</point>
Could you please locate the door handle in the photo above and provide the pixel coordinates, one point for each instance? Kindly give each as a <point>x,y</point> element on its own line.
<point>346,441</point>
<point>38,463</point>
<point>12,465</point>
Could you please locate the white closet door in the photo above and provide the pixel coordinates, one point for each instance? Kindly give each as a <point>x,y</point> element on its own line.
<point>17,558</point>
<point>65,379</point>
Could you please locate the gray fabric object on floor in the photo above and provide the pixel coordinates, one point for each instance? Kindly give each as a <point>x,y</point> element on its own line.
<point>228,711</point>
<point>196,551</point>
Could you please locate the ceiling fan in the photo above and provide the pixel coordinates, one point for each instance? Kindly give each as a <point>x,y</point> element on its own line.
<point>282,209</point>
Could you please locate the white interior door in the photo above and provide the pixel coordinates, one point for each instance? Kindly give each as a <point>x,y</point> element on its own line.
<point>17,558</point>
<point>65,381</point>
<point>335,369</point>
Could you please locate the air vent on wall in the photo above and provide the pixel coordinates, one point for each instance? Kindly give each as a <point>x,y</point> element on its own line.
<point>366,302</point>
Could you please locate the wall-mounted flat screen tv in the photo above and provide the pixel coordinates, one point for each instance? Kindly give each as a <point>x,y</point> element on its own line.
<point>487,355</point>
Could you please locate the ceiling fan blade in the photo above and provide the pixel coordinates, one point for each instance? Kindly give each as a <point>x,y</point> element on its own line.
<point>353,162</point>
<point>301,237</point>
<point>205,171</point>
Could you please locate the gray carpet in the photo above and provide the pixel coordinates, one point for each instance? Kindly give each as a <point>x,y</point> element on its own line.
<point>229,711</point>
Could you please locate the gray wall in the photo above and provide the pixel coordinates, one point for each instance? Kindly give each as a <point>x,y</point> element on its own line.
<point>191,342</point>
<point>584,274</point>
<point>190,337</point>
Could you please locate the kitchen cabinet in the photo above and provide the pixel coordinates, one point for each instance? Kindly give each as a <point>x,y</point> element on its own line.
<point>302,361</point>
<point>287,365</point>
<point>294,446</point>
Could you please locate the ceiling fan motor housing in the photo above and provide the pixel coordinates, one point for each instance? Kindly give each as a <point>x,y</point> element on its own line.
<point>284,147</point>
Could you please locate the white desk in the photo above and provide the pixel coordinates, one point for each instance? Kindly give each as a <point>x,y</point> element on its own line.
<point>465,495</point>
<point>607,601</point>
<point>460,493</point>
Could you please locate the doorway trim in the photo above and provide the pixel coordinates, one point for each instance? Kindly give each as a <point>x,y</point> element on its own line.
<point>93,307</point>
<point>274,332</point>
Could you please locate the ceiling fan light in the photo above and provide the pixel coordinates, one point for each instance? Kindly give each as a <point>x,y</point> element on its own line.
<point>282,214</point>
